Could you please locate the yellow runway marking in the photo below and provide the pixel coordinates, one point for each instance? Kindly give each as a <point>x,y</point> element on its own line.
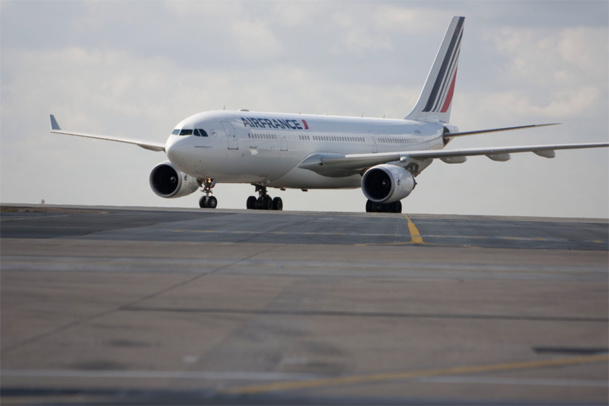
<point>364,379</point>
<point>414,232</point>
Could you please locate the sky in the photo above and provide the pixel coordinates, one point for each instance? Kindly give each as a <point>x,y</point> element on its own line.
<point>136,68</point>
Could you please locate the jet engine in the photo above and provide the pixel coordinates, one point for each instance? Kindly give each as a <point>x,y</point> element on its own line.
<point>166,181</point>
<point>387,183</point>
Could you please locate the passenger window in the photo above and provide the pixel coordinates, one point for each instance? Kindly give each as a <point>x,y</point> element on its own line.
<point>186,132</point>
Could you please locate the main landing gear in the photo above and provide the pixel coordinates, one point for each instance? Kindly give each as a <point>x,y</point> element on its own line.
<point>373,207</point>
<point>264,201</point>
<point>208,201</point>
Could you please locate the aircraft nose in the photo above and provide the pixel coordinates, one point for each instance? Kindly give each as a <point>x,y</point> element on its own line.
<point>178,151</point>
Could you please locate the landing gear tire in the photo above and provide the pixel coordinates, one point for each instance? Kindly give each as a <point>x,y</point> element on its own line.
<point>208,202</point>
<point>397,207</point>
<point>374,207</point>
<point>264,201</point>
<point>277,203</point>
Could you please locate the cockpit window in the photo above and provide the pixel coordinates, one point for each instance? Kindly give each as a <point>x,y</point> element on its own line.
<point>185,132</point>
<point>199,132</point>
<point>176,131</point>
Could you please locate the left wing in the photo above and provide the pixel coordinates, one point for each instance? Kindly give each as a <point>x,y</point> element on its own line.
<point>349,164</point>
<point>152,146</point>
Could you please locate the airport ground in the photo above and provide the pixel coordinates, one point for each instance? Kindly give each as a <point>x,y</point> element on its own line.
<point>107,305</point>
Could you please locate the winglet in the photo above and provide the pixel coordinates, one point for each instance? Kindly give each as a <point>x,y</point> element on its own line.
<point>54,125</point>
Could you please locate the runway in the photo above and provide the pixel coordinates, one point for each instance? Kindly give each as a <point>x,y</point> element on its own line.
<point>107,305</point>
<point>237,226</point>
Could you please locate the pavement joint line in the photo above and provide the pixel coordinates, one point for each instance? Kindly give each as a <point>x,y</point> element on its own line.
<point>279,376</point>
<point>419,239</point>
<point>403,243</point>
<point>3,219</point>
<point>416,237</point>
<point>384,377</point>
<point>22,259</point>
<point>154,374</point>
<point>284,233</point>
<point>341,313</point>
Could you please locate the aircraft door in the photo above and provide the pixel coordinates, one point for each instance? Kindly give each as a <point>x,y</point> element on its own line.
<point>373,141</point>
<point>284,142</point>
<point>231,135</point>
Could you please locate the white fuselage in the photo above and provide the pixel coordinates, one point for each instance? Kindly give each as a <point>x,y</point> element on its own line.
<point>267,148</point>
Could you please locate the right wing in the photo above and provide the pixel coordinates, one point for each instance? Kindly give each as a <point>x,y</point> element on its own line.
<point>152,146</point>
<point>331,164</point>
<point>495,130</point>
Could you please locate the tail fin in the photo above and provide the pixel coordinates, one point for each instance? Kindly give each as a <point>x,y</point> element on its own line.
<point>436,97</point>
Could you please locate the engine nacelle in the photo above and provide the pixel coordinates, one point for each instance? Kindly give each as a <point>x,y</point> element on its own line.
<point>387,183</point>
<point>166,181</point>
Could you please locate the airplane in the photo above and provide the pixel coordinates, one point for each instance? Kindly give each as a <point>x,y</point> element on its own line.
<point>277,150</point>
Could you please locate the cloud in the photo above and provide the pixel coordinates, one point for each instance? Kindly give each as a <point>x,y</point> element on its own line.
<point>585,48</point>
<point>255,40</point>
<point>578,54</point>
<point>544,73</point>
<point>563,104</point>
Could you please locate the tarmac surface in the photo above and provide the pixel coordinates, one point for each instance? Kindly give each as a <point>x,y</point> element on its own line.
<point>108,305</point>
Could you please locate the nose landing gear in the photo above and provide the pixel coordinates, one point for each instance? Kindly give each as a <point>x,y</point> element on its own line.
<point>208,201</point>
<point>264,201</point>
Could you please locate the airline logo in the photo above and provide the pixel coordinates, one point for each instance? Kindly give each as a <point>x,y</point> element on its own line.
<point>444,86</point>
<point>275,123</point>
